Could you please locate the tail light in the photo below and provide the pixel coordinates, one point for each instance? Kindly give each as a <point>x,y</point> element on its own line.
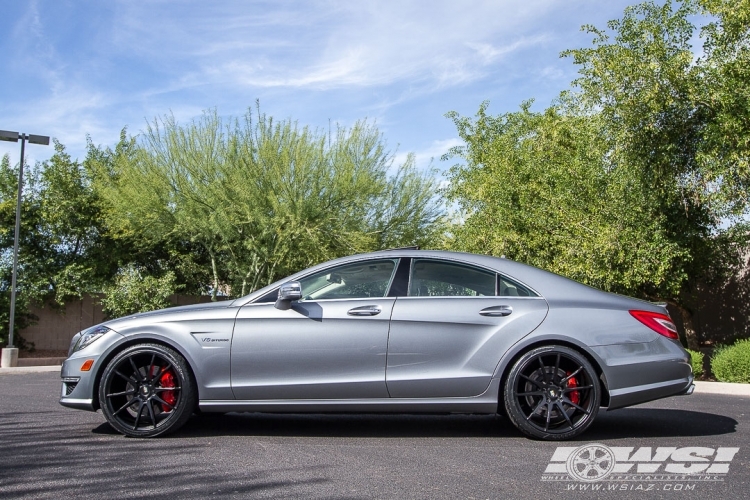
<point>660,323</point>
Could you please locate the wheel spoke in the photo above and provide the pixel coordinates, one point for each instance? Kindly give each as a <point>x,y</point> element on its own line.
<point>571,403</point>
<point>534,393</point>
<point>565,380</point>
<point>124,393</point>
<point>118,372</point>
<point>166,389</point>
<point>150,407</point>
<point>544,368</point>
<point>578,388</point>
<point>138,416</point>
<point>549,414</point>
<point>541,403</point>
<point>135,369</point>
<point>532,381</point>
<point>129,403</point>
<point>557,367</point>
<point>565,414</point>
<point>164,369</point>
<point>151,368</point>
<point>163,402</point>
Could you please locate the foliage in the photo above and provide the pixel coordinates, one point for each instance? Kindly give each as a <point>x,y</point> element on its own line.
<point>636,180</point>
<point>732,363</point>
<point>263,198</point>
<point>133,291</point>
<point>539,188</point>
<point>696,361</point>
<point>60,234</point>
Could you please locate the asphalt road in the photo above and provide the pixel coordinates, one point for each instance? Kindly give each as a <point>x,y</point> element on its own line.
<point>47,451</point>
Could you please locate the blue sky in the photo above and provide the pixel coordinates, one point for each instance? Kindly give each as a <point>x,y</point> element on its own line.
<point>72,68</point>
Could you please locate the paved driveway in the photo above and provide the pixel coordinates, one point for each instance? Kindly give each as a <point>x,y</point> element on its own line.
<point>47,451</point>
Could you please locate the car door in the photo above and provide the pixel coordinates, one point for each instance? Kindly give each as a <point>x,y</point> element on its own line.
<point>450,330</point>
<point>332,344</point>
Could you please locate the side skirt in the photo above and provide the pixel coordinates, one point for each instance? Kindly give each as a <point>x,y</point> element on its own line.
<point>484,403</point>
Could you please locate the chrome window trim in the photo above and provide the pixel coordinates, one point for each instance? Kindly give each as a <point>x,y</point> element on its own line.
<point>408,284</point>
<point>387,288</point>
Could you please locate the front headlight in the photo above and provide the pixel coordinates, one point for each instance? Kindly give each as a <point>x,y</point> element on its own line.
<point>88,337</point>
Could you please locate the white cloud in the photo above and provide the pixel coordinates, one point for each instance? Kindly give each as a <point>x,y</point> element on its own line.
<point>402,62</point>
<point>323,45</point>
<point>430,155</point>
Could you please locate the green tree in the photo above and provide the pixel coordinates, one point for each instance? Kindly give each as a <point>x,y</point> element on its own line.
<point>62,245</point>
<point>265,198</point>
<point>541,188</point>
<point>133,291</point>
<point>648,152</point>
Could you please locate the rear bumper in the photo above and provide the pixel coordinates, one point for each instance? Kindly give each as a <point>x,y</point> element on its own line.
<point>641,372</point>
<point>629,396</point>
<point>688,391</point>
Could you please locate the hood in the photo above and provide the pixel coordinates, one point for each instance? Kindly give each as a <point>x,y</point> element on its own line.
<point>114,323</point>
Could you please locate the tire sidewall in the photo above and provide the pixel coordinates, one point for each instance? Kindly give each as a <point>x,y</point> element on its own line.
<point>518,418</point>
<point>187,402</point>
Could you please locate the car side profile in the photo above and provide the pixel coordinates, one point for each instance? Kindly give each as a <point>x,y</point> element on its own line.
<point>405,330</point>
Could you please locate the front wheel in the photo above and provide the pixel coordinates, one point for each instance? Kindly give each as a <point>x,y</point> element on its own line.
<point>147,390</point>
<point>552,393</point>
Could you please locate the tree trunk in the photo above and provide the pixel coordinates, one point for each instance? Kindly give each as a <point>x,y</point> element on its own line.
<point>216,278</point>
<point>687,323</point>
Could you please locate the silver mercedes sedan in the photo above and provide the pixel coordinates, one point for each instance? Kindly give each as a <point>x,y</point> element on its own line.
<point>403,330</point>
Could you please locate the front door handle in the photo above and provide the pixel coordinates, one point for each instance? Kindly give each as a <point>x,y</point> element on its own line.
<point>496,311</point>
<point>364,311</point>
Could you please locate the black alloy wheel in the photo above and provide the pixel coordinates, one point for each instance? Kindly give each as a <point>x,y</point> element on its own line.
<point>147,390</point>
<point>552,393</point>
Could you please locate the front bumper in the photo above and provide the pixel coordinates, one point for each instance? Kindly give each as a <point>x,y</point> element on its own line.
<point>78,385</point>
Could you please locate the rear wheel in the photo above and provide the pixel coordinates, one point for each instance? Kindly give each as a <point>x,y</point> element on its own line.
<point>552,393</point>
<point>147,390</point>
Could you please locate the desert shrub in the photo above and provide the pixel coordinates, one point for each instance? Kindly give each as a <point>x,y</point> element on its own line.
<point>696,360</point>
<point>135,291</point>
<point>732,363</point>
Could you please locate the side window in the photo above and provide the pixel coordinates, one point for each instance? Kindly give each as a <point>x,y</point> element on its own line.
<point>508,288</point>
<point>350,281</point>
<point>436,278</point>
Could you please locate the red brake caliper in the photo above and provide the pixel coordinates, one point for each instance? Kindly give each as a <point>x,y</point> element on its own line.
<point>575,396</point>
<point>169,397</point>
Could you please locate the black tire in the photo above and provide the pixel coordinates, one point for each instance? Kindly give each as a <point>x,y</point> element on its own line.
<point>552,393</point>
<point>147,390</point>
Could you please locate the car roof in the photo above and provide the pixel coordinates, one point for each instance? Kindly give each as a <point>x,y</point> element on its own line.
<point>549,285</point>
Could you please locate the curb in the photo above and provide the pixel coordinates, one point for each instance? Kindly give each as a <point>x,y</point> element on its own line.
<point>24,362</point>
<point>725,388</point>
<point>18,370</point>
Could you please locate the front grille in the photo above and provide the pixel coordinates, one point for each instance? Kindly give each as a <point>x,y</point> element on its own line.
<point>70,387</point>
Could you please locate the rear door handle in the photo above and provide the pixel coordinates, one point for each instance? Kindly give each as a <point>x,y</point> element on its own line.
<point>364,311</point>
<point>496,311</point>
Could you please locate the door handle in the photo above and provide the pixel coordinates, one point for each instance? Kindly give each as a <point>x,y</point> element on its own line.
<point>496,311</point>
<point>364,311</point>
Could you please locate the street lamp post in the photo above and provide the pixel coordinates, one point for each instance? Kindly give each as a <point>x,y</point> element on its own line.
<point>10,354</point>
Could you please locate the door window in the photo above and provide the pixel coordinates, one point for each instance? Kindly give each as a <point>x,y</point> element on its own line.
<point>350,281</point>
<point>435,278</point>
<point>508,288</point>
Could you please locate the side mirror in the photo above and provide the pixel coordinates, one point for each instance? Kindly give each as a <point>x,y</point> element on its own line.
<point>288,292</point>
